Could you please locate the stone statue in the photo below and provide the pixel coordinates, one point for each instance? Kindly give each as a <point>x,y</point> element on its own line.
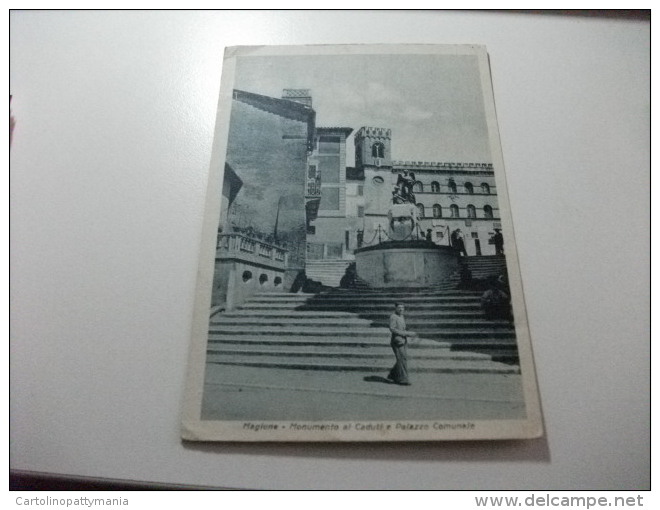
<point>403,220</point>
<point>403,215</point>
<point>405,185</point>
<point>398,196</point>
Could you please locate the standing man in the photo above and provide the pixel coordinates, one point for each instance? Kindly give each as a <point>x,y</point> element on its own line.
<point>498,241</point>
<point>458,243</point>
<point>399,343</point>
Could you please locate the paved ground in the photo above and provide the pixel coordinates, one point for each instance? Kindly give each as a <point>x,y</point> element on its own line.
<point>246,393</point>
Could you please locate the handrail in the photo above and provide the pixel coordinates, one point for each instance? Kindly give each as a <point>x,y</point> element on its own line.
<point>242,242</point>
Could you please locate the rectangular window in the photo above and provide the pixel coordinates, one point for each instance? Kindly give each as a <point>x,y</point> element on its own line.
<point>311,173</point>
<point>314,251</point>
<point>360,211</point>
<point>333,250</point>
<point>329,144</point>
<point>439,235</point>
<point>329,167</point>
<point>329,199</point>
<point>360,190</point>
<point>475,235</point>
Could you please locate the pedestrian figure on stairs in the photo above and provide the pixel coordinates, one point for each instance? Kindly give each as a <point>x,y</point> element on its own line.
<point>498,241</point>
<point>458,242</point>
<point>496,301</point>
<point>466,277</point>
<point>399,343</point>
<point>348,280</point>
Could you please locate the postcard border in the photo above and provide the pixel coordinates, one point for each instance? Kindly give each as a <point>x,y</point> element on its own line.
<point>195,429</point>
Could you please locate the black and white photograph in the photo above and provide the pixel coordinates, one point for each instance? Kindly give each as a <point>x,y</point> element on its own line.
<point>358,275</point>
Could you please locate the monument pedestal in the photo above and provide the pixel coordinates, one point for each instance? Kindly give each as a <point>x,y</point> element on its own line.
<point>405,260</point>
<point>405,264</point>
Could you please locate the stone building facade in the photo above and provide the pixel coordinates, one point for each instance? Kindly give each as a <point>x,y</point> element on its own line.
<point>454,196</point>
<point>289,197</point>
<point>449,195</point>
<point>326,176</point>
<point>262,224</point>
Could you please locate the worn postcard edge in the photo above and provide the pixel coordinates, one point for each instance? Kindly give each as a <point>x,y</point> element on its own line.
<point>193,428</point>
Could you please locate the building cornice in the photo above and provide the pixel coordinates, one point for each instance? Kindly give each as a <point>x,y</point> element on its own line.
<point>332,130</point>
<point>446,165</point>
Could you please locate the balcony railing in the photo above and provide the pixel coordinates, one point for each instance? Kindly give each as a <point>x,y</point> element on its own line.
<point>313,188</point>
<point>236,245</point>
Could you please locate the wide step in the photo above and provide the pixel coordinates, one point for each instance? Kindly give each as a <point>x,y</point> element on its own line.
<point>347,329</point>
<point>363,342</point>
<point>301,331</point>
<point>340,352</point>
<point>373,365</point>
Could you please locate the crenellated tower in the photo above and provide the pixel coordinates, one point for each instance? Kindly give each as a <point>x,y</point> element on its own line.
<point>373,157</point>
<point>373,147</point>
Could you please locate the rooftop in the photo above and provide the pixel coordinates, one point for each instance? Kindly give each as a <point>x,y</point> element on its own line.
<point>325,130</point>
<point>282,107</point>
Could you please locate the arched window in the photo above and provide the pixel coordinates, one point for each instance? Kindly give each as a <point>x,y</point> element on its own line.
<point>247,276</point>
<point>437,211</point>
<point>454,211</point>
<point>468,188</point>
<point>278,281</point>
<point>263,278</point>
<point>435,187</point>
<point>485,188</point>
<point>471,211</point>
<point>452,186</point>
<point>418,187</point>
<point>378,150</point>
<point>488,211</point>
<point>421,210</point>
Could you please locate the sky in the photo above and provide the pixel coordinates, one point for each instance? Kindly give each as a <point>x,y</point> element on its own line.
<point>432,103</point>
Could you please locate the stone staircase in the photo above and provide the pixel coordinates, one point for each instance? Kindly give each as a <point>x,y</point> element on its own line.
<point>449,316</point>
<point>328,272</point>
<point>346,329</point>
<point>487,265</point>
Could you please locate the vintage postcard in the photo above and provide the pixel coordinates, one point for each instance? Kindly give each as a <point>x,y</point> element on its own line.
<point>358,276</point>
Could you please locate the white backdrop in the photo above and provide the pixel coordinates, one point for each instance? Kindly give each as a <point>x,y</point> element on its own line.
<point>109,162</point>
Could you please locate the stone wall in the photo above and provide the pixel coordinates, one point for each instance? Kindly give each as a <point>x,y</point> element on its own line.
<point>267,151</point>
<point>405,264</point>
<point>269,154</point>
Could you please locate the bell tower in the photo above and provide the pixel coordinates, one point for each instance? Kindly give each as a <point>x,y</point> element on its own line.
<point>373,157</point>
<point>373,148</point>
